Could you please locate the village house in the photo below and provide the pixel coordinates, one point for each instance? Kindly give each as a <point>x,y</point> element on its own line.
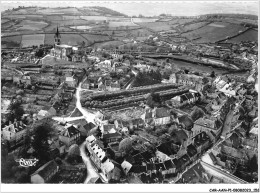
<point>194,81</point>
<point>111,137</point>
<point>130,124</point>
<point>186,98</point>
<point>212,126</point>
<point>99,158</point>
<point>45,173</point>
<point>14,131</point>
<point>72,82</point>
<point>70,135</point>
<point>46,112</point>
<point>157,116</point>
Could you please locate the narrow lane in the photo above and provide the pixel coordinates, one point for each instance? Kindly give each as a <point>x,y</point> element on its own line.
<point>91,172</point>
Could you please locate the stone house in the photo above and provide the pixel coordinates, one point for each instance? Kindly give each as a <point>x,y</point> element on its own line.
<point>14,131</point>
<point>70,135</point>
<point>45,173</point>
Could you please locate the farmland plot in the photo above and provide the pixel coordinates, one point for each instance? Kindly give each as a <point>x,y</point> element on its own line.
<point>250,35</point>
<point>69,17</point>
<point>194,26</point>
<point>141,20</point>
<point>4,20</point>
<point>53,17</point>
<point>71,22</point>
<point>97,38</point>
<point>70,39</point>
<point>16,16</point>
<point>181,21</point>
<point>71,11</point>
<point>32,40</point>
<point>156,26</point>
<point>94,18</point>
<point>119,24</point>
<point>32,25</point>
<point>110,44</point>
<point>11,41</point>
<point>215,33</point>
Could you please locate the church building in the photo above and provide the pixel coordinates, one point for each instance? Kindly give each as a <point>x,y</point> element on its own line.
<point>65,52</point>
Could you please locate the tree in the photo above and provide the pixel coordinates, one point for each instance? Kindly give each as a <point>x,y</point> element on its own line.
<point>39,53</point>
<point>253,165</point>
<point>212,75</point>
<point>125,145</point>
<point>16,111</point>
<point>42,133</point>
<point>153,100</point>
<point>197,113</point>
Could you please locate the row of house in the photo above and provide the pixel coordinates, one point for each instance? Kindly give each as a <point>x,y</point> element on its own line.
<point>193,81</point>
<point>186,98</point>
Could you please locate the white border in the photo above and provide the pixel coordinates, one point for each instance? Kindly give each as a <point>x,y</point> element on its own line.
<point>125,187</point>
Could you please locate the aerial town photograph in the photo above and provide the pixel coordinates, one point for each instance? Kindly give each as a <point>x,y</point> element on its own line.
<point>129,93</point>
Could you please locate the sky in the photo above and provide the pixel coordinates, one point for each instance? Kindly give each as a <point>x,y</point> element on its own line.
<point>151,8</point>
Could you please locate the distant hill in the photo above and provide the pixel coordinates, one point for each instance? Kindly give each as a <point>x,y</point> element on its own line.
<point>62,10</point>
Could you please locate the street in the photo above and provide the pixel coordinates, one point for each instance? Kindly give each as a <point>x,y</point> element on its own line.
<point>91,172</point>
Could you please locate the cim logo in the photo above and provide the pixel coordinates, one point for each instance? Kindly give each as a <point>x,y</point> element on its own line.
<point>27,162</point>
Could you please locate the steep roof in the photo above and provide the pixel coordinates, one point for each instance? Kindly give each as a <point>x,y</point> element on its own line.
<point>111,135</point>
<point>186,120</point>
<point>191,150</point>
<point>189,95</point>
<point>70,131</point>
<point>45,170</point>
<point>162,112</point>
<point>169,164</point>
<point>206,123</point>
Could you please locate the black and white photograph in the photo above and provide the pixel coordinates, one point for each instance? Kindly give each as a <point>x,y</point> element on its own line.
<point>130,93</point>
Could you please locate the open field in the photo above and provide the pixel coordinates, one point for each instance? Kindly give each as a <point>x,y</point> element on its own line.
<point>94,18</point>
<point>119,24</point>
<point>11,41</point>
<point>180,21</point>
<point>194,26</point>
<point>141,20</point>
<point>70,39</point>
<point>4,20</point>
<point>53,17</point>
<point>31,25</point>
<point>250,35</point>
<point>59,11</point>
<point>31,40</point>
<point>71,22</point>
<point>156,26</point>
<point>98,38</point>
<point>211,33</point>
<point>70,17</point>
<point>110,44</point>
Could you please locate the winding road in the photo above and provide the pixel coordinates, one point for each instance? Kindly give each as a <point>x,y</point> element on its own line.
<point>90,117</point>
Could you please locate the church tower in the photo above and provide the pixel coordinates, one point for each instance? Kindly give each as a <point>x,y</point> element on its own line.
<point>57,37</point>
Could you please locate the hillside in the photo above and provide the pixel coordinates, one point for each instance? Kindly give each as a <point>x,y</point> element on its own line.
<point>100,26</point>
